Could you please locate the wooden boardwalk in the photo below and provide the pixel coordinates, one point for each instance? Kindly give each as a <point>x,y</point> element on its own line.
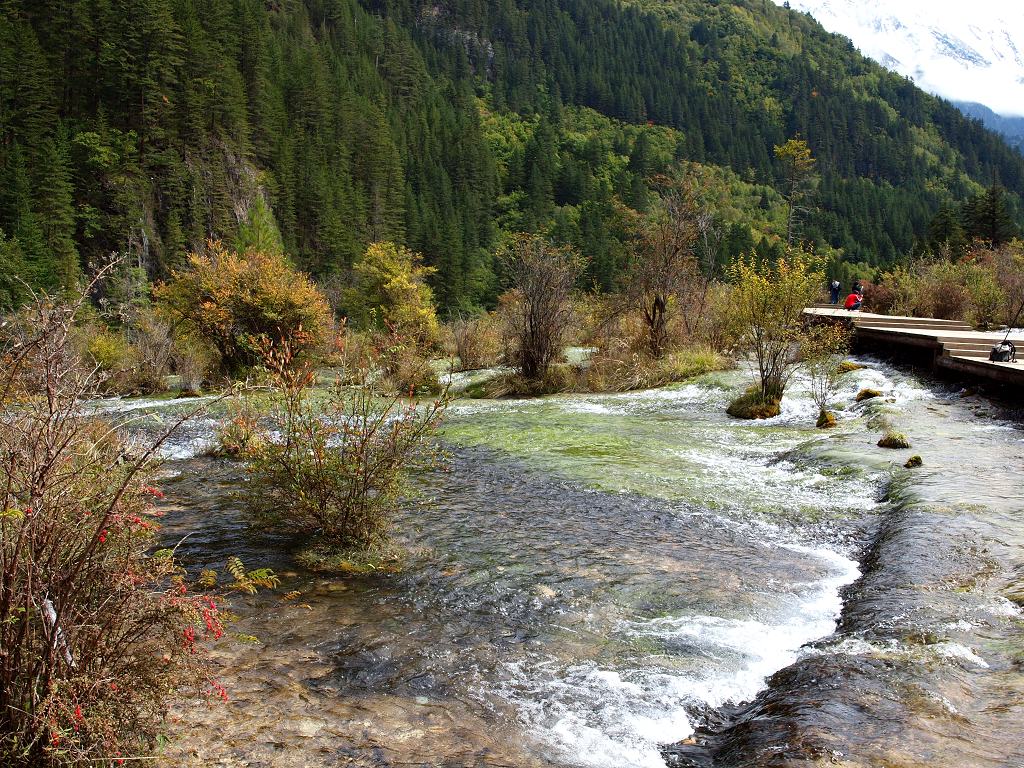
<point>950,344</point>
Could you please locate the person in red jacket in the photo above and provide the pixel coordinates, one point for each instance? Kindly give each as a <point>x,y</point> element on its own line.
<point>853,301</point>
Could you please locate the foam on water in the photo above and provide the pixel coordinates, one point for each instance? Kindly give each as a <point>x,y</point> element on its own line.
<point>180,448</point>
<point>888,380</point>
<point>599,717</point>
<point>1003,607</point>
<point>589,406</point>
<point>959,651</point>
<point>122,405</point>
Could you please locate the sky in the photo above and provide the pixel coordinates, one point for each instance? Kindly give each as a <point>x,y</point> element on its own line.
<point>963,51</point>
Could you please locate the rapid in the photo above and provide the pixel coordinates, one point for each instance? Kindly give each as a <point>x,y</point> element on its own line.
<point>605,581</point>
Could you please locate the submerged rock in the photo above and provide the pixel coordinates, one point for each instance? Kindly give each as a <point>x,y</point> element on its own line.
<point>913,461</point>
<point>867,393</point>
<point>893,439</point>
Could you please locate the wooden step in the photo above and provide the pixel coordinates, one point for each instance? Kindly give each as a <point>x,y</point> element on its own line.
<point>971,350</point>
<point>929,325</point>
<point>973,347</point>
<point>953,325</point>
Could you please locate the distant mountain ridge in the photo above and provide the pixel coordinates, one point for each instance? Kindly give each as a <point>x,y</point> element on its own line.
<point>966,52</point>
<point>1012,128</point>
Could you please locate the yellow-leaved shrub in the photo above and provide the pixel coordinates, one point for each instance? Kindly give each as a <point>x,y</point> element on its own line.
<point>242,302</point>
<point>389,291</point>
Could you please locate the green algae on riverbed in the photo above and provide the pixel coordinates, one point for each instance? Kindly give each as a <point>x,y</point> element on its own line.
<point>670,443</point>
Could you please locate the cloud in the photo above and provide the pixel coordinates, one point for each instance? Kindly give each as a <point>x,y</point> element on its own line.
<point>961,51</point>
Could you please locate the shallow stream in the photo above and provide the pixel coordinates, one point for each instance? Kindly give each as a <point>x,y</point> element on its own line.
<point>638,579</point>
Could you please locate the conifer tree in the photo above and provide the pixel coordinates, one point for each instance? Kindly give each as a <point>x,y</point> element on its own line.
<point>798,178</point>
<point>988,217</point>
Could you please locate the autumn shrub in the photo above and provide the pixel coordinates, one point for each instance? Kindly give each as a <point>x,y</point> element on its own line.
<point>240,433</point>
<point>692,361</point>
<point>605,320</point>
<point>388,290</point>
<point>945,292</point>
<point>721,327</point>
<point>238,302</point>
<point>823,350</point>
<point>130,360</point>
<point>332,468</point>
<point>623,369</point>
<point>95,632</point>
<point>557,379</point>
<point>1007,264</point>
<point>154,351</point>
<point>193,362</point>
<point>476,341</point>
<point>351,355</point>
<point>985,287</point>
<point>110,350</point>
<point>897,293</point>
<point>879,298</point>
<point>767,302</point>
<point>664,270</point>
<point>409,372</point>
<point>402,364</point>
<point>538,311</point>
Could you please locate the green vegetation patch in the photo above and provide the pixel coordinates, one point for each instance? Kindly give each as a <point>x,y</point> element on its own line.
<point>351,562</point>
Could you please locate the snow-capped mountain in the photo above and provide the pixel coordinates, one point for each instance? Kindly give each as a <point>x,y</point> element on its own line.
<point>963,51</point>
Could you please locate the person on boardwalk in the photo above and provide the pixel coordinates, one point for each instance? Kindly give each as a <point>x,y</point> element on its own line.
<point>833,292</point>
<point>854,300</point>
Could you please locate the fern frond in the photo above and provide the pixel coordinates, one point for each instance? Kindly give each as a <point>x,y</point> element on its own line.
<point>236,568</point>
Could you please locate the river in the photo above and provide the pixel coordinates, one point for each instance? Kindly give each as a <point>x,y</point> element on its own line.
<point>639,580</point>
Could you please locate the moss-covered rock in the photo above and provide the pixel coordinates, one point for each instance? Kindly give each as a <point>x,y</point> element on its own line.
<point>913,461</point>
<point>826,420</point>
<point>753,405</point>
<point>848,365</point>
<point>867,393</point>
<point>893,439</point>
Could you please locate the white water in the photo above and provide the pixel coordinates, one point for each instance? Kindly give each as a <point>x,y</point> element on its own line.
<point>599,717</point>
<point>616,714</point>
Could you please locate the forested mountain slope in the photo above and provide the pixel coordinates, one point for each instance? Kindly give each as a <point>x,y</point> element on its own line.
<point>146,126</point>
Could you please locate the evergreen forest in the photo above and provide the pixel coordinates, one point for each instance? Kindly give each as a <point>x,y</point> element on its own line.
<point>146,127</point>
